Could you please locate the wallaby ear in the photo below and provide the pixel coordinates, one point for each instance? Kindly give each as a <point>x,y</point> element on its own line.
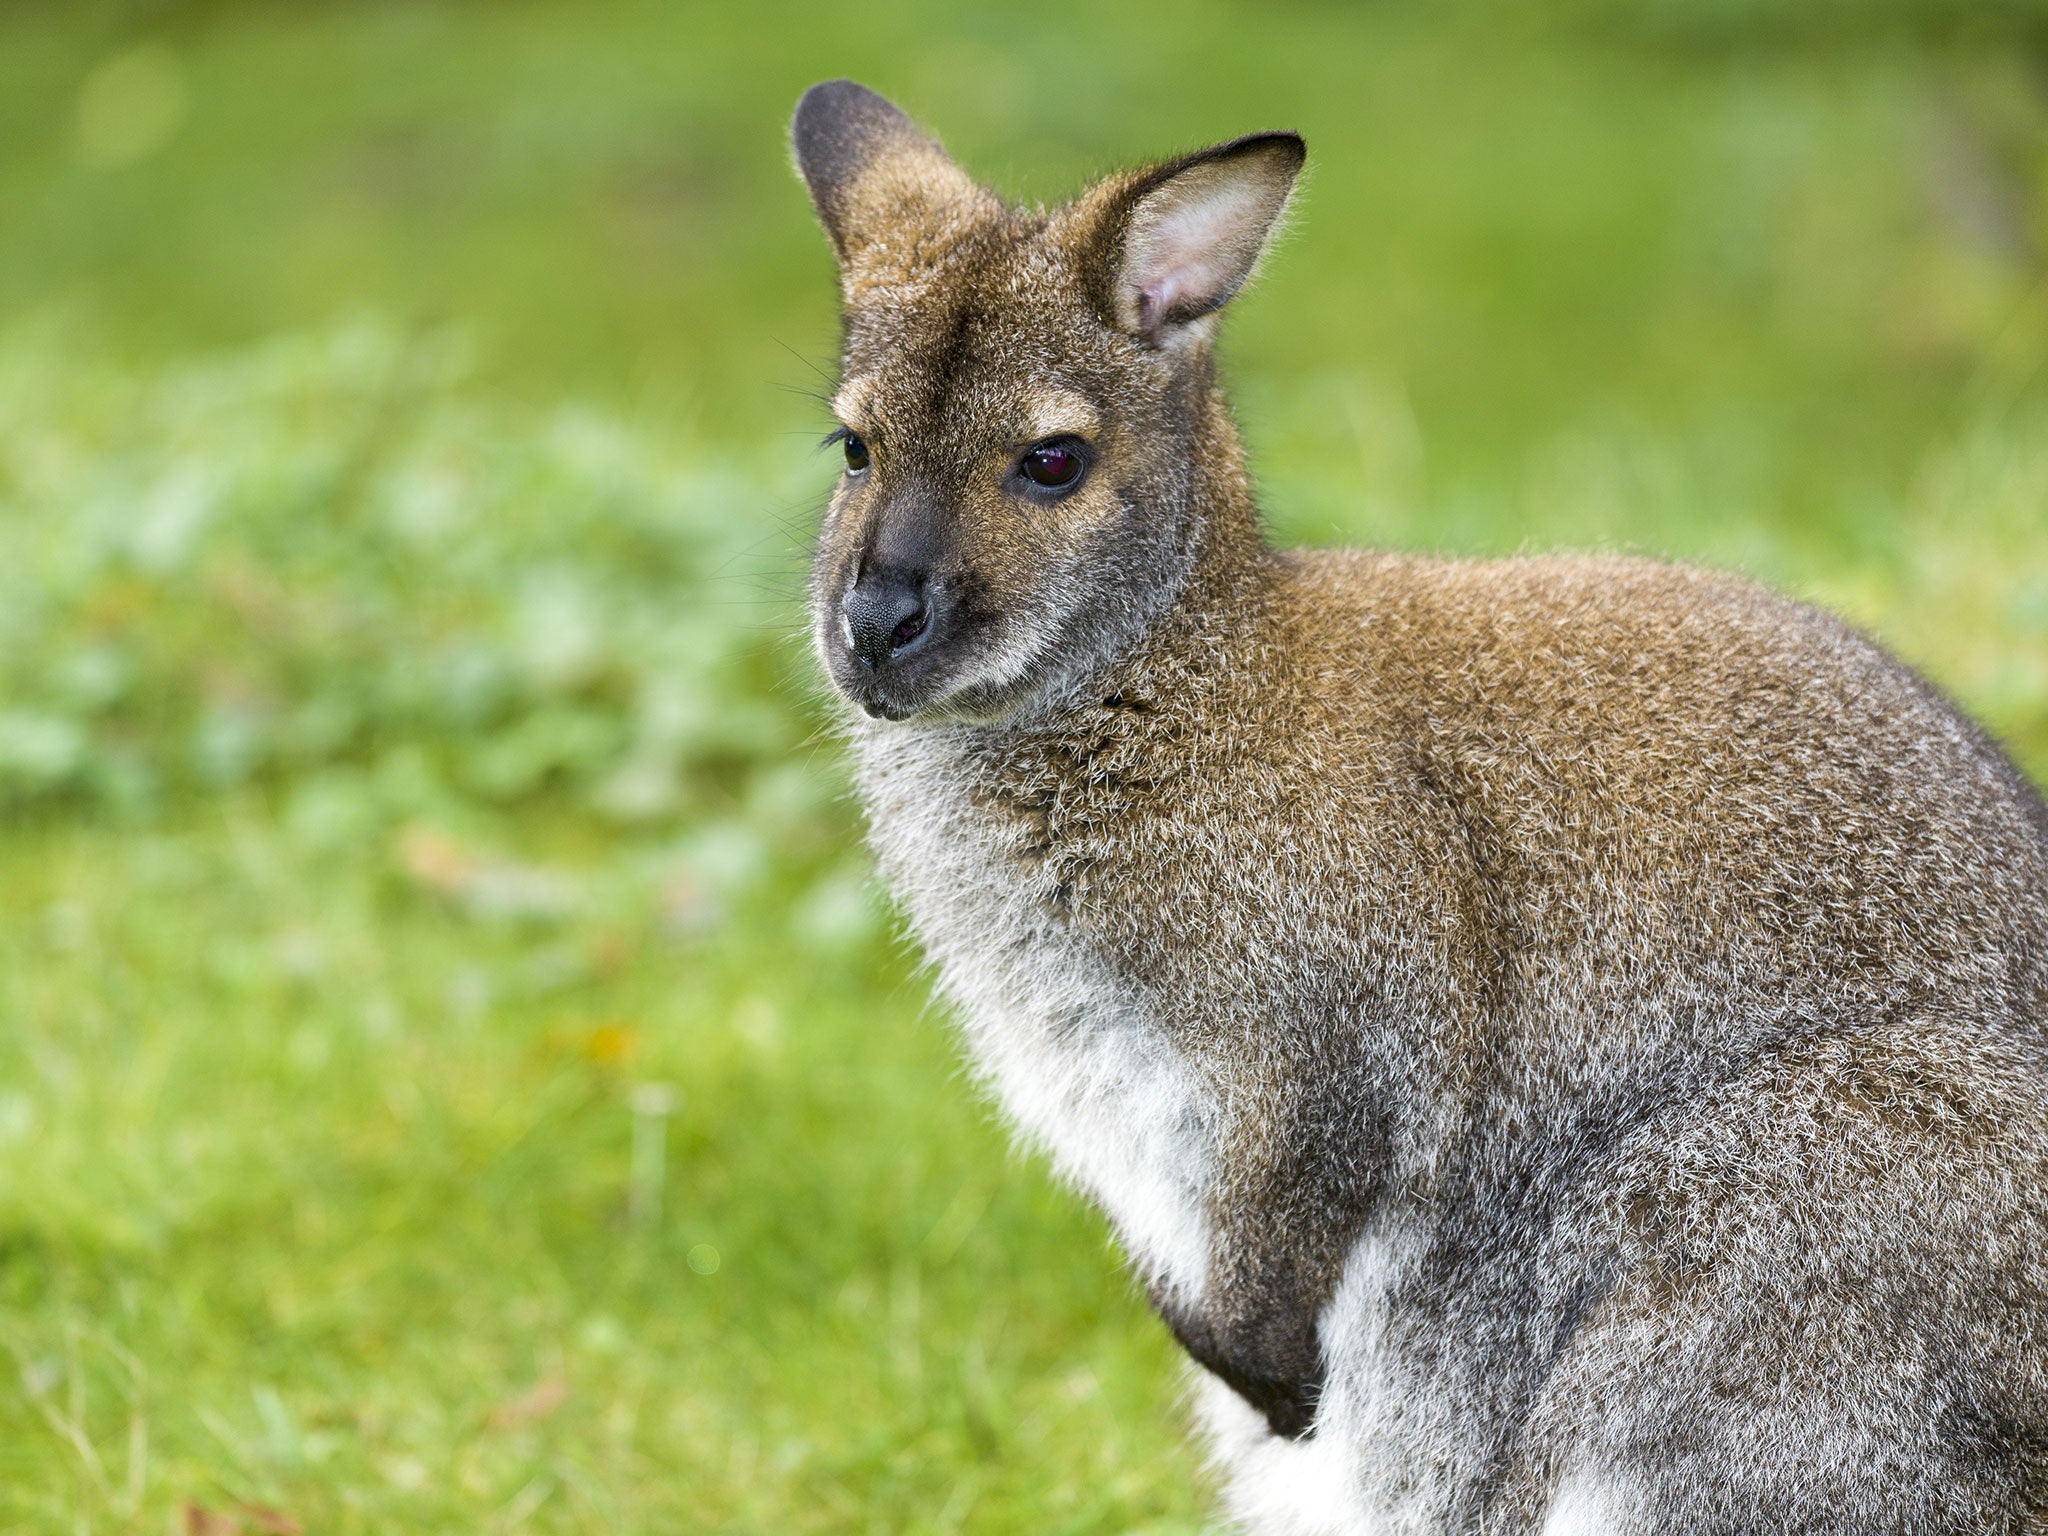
<point>1191,232</point>
<point>868,167</point>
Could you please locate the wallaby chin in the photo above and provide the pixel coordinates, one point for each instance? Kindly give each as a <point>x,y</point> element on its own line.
<point>1563,1042</point>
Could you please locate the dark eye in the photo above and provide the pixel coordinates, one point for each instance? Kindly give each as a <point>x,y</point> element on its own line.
<point>1055,466</point>
<point>856,453</point>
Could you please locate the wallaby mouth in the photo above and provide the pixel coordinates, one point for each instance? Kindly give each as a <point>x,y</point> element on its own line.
<point>883,699</point>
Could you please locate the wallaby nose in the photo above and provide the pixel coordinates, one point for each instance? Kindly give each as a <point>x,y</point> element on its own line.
<point>885,616</point>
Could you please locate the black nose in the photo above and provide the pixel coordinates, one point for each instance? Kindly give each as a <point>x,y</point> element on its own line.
<point>885,616</point>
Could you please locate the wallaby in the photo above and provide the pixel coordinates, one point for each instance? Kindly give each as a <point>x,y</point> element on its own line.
<point>1564,1041</point>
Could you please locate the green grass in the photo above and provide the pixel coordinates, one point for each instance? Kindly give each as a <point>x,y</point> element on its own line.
<point>411,780</point>
<point>334,1212</point>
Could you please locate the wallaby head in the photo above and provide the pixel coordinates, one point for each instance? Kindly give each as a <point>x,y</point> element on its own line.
<point>1035,456</point>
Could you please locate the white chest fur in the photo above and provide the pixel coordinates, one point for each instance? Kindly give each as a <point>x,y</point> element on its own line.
<point>1070,1051</point>
<point>1074,1055</point>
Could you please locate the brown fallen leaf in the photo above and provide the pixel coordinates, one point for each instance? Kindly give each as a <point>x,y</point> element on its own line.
<point>270,1522</point>
<point>535,1403</point>
<point>436,860</point>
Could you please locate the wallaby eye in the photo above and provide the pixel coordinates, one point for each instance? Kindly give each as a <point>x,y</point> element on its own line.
<point>856,453</point>
<point>1054,466</point>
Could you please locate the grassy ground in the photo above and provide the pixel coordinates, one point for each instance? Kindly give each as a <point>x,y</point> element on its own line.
<point>453,1074</point>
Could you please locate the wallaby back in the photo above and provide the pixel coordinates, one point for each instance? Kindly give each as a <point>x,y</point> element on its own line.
<point>1564,1041</point>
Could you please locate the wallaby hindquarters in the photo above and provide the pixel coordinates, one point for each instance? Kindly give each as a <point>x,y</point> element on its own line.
<point>1564,1042</point>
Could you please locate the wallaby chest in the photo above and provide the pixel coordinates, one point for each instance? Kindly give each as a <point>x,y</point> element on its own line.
<point>992,858</point>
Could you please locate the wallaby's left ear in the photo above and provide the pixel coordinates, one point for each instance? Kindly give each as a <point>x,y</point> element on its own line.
<point>872,173</point>
<point>1184,237</point>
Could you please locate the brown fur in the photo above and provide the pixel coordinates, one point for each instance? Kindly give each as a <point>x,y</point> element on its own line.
<point>1611,1000</point>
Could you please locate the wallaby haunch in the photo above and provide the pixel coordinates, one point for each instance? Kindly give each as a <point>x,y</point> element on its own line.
<point>1564,1041</point>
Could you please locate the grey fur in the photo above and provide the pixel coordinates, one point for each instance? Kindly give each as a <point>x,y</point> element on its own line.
<point>1565,1041</point>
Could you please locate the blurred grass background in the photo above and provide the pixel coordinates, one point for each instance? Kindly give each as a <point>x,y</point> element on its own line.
<point>454,1075</point>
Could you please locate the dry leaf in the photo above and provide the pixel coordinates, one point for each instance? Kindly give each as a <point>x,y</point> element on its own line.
<point>536,1402</point>
<point>270,1522</point>
<point>436,860</point>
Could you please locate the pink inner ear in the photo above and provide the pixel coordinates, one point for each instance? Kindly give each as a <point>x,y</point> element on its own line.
<point>1153,303</point>
<point>1191,254</point>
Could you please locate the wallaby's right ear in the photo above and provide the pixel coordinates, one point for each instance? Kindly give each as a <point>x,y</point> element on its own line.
<point>1173,244</point>
<point>869,169</point>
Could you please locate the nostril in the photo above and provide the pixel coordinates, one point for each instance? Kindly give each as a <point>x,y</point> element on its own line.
<point>911,627</point>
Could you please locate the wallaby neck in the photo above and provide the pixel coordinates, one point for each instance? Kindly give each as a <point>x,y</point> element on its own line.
<point>1230,564</point>
<point>1230,537</point>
